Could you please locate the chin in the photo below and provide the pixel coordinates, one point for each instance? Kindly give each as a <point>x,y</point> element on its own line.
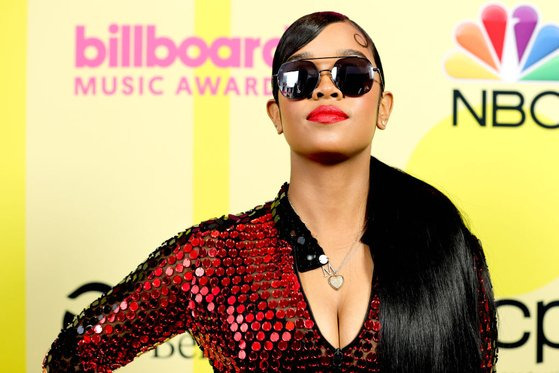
<point>331,152</point>
<point>328,157</point>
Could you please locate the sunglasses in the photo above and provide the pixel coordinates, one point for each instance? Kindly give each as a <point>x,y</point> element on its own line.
<point>353,75</point>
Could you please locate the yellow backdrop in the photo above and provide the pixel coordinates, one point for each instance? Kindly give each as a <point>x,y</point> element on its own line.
<point>124,123</point>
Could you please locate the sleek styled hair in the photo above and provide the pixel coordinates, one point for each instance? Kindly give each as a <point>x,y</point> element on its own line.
<point>304,30</point>
<point>431,268</point>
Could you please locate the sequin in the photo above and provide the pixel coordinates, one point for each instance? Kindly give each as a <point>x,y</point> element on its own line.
<point>231,283</point>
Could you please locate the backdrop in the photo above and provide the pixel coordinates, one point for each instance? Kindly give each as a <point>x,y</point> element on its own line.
<point>126,122</point>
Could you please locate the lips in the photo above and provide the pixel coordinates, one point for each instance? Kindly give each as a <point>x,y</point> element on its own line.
<point>327,114</point>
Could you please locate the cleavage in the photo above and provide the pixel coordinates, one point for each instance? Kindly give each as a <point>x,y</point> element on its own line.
<point>339,315</point>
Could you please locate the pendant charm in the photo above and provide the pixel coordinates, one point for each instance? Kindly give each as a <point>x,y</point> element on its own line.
<point>336,281</point>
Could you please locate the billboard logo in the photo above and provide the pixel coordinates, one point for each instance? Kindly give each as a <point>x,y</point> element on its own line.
<point>105,64</point>
<point>141,46</point>
<point>506,46</point>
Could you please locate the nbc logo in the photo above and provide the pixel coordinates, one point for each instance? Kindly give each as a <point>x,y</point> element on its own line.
<point>506,46</point>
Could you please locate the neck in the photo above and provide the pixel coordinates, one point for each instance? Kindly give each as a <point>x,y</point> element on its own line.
<point>331,198</point>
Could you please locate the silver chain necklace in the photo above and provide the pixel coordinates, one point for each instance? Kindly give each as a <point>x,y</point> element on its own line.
<point>335,279</point>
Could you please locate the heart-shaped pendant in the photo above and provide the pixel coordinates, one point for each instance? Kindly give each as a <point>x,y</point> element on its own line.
<point>336,281</point>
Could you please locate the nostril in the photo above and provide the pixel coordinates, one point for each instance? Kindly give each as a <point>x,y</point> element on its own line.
<point>326,88</point>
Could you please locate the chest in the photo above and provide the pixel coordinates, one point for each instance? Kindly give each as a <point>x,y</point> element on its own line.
<point>339,314</point>
<point>264,318</point>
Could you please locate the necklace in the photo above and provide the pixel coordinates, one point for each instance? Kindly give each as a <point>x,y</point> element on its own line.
<point>335,279</point>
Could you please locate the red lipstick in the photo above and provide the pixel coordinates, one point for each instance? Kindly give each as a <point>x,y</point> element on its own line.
<point>327,114</point>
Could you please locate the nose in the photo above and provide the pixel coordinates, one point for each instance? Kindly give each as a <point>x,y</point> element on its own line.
<point>326,87</point>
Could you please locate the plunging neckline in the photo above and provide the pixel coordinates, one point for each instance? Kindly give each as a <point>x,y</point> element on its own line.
<point>314,241</point>
<point>315,324</point>
<point>306,256</point>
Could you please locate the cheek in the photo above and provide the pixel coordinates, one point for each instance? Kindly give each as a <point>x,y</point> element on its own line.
<point>292,113</point>
<point>365,111</point>
<point>369,104</point>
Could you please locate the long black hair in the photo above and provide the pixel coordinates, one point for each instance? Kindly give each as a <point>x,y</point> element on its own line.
<point>431,269</point>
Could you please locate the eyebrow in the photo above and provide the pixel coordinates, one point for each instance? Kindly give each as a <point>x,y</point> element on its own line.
<point>341,52</point>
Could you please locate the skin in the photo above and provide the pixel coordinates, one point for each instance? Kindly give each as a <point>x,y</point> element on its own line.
<point>330,179</point>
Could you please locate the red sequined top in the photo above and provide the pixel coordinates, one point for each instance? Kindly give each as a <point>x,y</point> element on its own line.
<point>232,283</point>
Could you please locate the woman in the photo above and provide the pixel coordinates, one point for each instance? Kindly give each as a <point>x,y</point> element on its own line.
<point>354,266</point>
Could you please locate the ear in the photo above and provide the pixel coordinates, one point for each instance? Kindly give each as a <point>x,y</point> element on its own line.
<point>275,114</point>
<point>385,108</point>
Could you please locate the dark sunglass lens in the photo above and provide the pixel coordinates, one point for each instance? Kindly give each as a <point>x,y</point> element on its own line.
<point>354,76</point>
<point>297,79</point>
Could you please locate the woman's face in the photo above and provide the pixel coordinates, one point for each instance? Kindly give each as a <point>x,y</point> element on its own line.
<point>342,139</point>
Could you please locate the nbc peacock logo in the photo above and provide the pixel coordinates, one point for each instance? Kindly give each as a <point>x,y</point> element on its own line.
<point>505,46</point>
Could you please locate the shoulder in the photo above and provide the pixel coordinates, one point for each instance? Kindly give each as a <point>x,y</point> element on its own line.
<point>225,229</point>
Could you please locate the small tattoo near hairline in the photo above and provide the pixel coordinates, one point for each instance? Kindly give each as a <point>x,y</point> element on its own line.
<point>361,40</point>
